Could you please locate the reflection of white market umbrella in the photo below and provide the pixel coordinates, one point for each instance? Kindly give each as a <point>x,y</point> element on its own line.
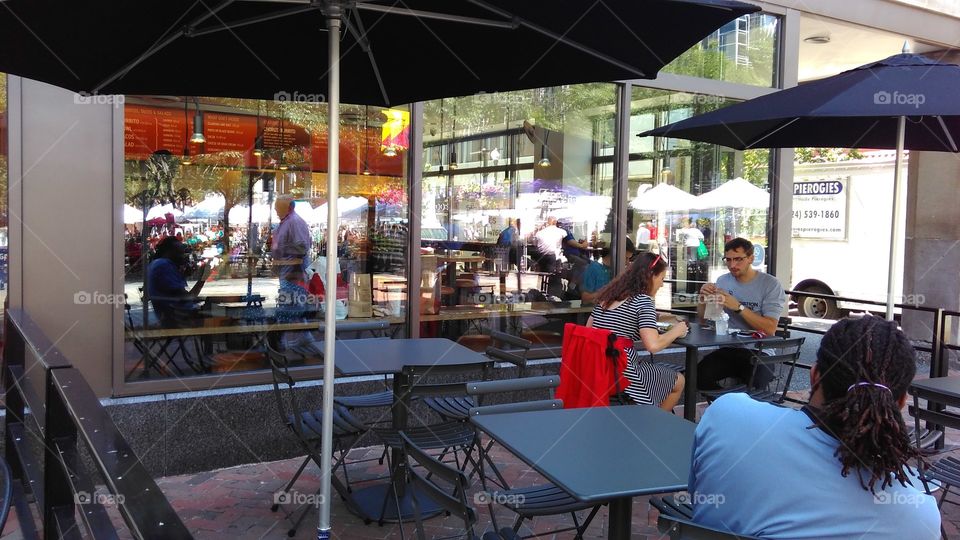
<point>262,212</point>
<point>347,207</point>
<point>131,214</point>
<point>209,208</point>
<point>736,193</point>
<point>162,211</point>
<point>664,198</point>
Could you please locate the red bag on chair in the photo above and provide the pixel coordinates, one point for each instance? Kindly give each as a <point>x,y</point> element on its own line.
<point>587,374</point>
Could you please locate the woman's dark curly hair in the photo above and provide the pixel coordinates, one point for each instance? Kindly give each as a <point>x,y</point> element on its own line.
<point>866,418</point>
<point>636,280</point>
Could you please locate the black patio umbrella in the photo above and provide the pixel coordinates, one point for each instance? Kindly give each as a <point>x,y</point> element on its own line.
<point>389,52</point>
<point>904,102</point>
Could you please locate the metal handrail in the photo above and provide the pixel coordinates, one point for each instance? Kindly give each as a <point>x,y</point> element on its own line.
<point>67,421</point>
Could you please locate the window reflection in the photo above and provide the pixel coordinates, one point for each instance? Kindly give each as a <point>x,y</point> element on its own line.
<point>499,171</point>
<point>676,196</point>
<point>248,208</point>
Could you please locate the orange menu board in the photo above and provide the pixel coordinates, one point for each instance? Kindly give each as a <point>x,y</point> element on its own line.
<point>148,129</point>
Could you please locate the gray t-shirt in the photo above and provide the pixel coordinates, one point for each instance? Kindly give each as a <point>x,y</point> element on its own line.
<point>763,295</point>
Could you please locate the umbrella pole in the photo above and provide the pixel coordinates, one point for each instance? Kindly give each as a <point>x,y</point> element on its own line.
<point>333,170</point>
<point>897,210</point>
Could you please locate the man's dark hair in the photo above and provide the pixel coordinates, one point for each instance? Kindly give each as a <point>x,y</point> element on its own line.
<point>169,247</point>
<point>739,243</point>
<point>865,367</point>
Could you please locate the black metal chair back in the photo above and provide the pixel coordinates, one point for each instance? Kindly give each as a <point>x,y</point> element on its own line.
<point>782,365</point>
<point>450,496</point>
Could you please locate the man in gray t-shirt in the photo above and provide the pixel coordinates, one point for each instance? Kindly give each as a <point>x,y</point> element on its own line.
<point>753,300</point>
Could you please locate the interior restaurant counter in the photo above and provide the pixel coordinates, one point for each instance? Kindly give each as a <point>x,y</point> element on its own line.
<point>476,311</point>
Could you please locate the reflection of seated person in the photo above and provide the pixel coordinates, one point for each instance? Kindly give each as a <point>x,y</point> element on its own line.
<point>510,238</point>
<point>596,276</point>
<point>549,252</point>
<point>573,252</point>
<point>174,305</point>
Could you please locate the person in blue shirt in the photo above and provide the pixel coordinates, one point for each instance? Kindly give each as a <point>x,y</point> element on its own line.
<point>167,287</point>
<point>838,469</point>
<point>596,276</point>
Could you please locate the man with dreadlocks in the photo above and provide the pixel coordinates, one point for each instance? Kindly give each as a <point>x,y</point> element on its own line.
<point>838,469</point>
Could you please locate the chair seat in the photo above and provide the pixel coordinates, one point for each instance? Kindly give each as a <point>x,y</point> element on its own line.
<point>376,399</point>
<point>443,435</point>
<point>669,505</point>
<point>344,423</point>
<point>451,407</point>
<point>946,470</point>
<point>541,500</point>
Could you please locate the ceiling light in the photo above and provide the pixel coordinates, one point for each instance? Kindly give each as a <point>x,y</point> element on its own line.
<point>818,39</point>
<point>198,137</point>
<point>186,156</point>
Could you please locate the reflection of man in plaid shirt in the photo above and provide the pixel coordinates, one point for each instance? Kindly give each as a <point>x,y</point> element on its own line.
<point>291,247</point>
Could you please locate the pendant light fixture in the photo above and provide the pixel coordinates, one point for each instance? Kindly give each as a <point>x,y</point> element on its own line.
<point>453,145</point>
<point>544,160</point>
<point>366,141</point>
<point>198,137</point>
<point>185,159</point>
<point>258,140</point>
<point>283,146</point>
<point>440,147</point>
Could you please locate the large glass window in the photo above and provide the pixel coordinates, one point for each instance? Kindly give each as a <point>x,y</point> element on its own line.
<point>682,192</point>
<point>745,50</point>
<point>4,210</point>
<point>232,193</point>
<point>517,206</point>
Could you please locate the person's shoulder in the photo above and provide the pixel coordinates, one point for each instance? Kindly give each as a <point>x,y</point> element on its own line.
<point>739,406</point>
<point>769,281</point>
<point>724,279</point>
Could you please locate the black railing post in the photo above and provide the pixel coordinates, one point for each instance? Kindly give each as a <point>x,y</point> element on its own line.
<point>13,356</point>
<point>60,432</point>
<point>936,342</point>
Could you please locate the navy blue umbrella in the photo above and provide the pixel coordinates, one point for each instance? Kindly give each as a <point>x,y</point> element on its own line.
<point>906,101</point>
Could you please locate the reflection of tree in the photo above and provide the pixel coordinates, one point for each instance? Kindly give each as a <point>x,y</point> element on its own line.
<point>707,60</point>
<point>220,173</point>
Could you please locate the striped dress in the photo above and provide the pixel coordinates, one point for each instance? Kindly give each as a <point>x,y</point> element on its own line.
<point>649,384</point>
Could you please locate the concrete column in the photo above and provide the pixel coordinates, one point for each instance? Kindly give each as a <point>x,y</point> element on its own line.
<point>931,263</point>
<point>64,223</point>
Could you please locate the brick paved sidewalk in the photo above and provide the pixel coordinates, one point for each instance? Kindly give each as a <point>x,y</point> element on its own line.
<point>235,504</point>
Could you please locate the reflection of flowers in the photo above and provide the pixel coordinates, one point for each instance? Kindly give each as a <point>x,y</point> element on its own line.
<point>391,196</point>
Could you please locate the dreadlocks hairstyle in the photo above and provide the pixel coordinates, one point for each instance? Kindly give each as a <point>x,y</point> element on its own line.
<point>865,366</point>
<point>636,280</point>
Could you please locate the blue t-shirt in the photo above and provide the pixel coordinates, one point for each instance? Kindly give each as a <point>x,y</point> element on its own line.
<point>758,470</point>
<point>569,250</point>
<point>595,276</point>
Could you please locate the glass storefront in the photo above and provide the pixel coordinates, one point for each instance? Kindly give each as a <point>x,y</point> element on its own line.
<point>682,192</point>
<point>745,51</point>
<point>233,193</point>
<point>517,205</point>
<point>4,209</point>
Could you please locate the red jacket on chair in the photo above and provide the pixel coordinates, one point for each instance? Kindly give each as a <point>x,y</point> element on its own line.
<point>587,376</point>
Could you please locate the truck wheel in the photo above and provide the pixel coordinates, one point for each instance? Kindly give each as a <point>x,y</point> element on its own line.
<point>818,308</point>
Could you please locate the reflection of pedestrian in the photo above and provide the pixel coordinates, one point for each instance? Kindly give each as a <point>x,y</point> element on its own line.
<point>174,305</point>
<point>510,238</point>
<point>643,237</point>
<point>689,237</point>
<point>291,248</point>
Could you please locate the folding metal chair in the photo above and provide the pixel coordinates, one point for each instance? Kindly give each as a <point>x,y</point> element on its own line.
<point>444,485</point>
<point>781,364</point>
<point>537,500</point>
<point>677,528</point>
<point>944,472</point>
<point>458,407</point>
<point>306,426</point>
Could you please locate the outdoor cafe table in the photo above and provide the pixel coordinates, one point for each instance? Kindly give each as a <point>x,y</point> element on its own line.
<point>375,356</point>
<point>600,454</point>
<point>700,337</point>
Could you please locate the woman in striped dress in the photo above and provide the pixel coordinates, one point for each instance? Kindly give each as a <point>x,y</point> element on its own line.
<point>625,306</point>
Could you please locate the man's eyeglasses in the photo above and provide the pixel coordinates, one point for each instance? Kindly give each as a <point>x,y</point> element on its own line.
<point>738,260</point>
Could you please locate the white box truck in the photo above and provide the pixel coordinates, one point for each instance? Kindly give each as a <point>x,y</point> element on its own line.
<point>842,213</point>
